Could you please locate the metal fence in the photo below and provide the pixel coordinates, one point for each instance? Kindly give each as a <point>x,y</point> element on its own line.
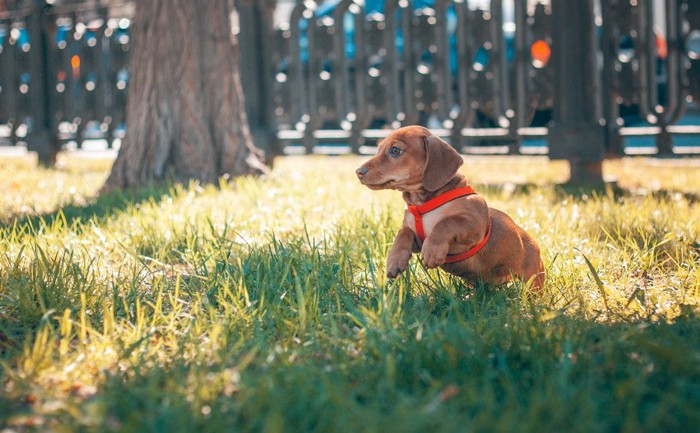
<point>63,69</point>
<point>332,77</point>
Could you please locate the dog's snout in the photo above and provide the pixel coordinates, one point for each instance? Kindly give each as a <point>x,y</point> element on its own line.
<point>361,171</point>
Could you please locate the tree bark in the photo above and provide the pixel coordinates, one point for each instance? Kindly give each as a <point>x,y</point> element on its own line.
<point>185,115</point>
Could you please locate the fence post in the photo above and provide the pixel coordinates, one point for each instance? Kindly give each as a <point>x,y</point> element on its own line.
<point>255,22</point>
<point>42,138</point>
<point>577,133</point>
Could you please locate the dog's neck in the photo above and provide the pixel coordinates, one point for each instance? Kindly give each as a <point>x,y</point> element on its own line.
<point>420,196</point>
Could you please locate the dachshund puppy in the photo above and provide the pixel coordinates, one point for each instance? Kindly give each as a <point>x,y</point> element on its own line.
<point>446,221</point>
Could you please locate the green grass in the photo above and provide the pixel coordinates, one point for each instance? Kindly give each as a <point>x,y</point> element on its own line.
<point>261,306</point>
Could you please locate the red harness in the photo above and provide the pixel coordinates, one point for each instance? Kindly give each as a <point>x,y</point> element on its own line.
<point>419,211</point>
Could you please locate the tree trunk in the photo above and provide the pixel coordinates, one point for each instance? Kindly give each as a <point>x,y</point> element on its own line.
<point>185,116</point>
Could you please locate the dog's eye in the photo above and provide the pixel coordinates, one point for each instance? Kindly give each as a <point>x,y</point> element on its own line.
<point>395,151</point>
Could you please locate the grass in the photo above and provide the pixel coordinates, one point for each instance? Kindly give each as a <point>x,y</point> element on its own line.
<point>261,305</point>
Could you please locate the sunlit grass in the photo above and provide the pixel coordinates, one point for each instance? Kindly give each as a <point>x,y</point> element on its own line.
<point>262,305</point>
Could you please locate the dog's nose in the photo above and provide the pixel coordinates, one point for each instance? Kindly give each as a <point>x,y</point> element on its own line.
<point>361,171</point>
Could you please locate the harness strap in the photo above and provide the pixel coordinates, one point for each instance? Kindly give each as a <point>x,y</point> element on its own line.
<point>454,258</point>
<point>419,211</point>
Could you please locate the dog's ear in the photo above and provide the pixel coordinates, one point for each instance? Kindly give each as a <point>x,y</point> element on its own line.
<point>441,163</point>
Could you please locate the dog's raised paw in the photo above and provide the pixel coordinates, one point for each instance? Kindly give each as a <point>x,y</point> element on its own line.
<point>434,255</point>
<point>393,270</point>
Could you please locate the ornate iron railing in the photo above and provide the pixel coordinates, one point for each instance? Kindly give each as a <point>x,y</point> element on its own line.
<point>66,67</point>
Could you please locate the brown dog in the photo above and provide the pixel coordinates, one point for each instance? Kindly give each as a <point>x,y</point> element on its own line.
<point>446,220</point>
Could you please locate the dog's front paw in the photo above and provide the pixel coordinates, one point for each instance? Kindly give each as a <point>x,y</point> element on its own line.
<point>434,255</point>
<point>395,265</point>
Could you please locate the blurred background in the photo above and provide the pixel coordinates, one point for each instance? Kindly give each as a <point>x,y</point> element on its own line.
<point>333,76</point>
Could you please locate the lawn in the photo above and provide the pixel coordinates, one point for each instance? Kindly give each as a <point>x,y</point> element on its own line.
<point>261,305</point>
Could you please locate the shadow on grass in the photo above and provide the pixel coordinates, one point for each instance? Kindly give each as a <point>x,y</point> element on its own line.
<point>453,365</point>
<point>102,206</point>
<point>568,190</point>
<point>31,295</point>
<point>611,189</point>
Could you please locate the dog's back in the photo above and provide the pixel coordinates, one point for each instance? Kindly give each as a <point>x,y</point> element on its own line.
<point>510,253</point>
